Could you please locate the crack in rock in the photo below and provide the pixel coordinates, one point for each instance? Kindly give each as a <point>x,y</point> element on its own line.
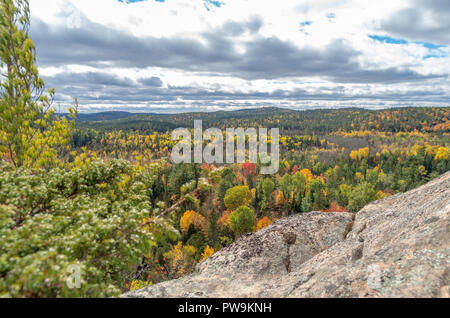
<point>290,239</point>
<point>349,227</point>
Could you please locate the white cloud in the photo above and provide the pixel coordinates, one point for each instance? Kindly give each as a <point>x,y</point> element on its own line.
<point>325,22</point>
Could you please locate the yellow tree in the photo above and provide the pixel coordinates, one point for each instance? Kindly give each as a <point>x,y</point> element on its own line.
<point>262,223</point>
<point>363,153</point>
<point>442,154</point>
<point>237,196</point>
<point>308,174</point>
<point>192,218</point>
<point>208,251</point>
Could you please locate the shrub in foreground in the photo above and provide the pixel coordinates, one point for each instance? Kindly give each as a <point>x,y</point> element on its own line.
<point>88,217</point>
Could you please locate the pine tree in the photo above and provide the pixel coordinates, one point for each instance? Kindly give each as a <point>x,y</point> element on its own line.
<point>212,231</point>
<point>30,132</point>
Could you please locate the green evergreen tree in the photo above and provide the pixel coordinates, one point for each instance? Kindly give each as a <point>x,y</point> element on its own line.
<point>30,132</point>
<point>212,231</point>
<point>242,220</point>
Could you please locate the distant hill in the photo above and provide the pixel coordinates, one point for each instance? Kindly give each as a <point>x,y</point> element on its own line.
<point>319,121</point>
<point>112,115</point>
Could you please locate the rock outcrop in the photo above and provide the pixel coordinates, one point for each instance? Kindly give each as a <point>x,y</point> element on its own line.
<point>397,247</point>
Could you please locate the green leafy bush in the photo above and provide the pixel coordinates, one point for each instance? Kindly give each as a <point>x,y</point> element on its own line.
<point>88,216</point>
<point>361,195</point>
<point>242,220</point>
<point>237,196</point>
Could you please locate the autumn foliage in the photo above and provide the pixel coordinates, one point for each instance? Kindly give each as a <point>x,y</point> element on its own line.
<point>207,253</point>
<point>192,218</point>
<point>262,223</point>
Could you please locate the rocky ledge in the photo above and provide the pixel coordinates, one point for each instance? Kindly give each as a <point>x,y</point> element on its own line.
<point>397,247</point>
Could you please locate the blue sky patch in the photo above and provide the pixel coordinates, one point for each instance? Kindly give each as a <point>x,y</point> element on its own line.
<point>431,46</point>
<point>131,1</point>
<point>387,39</point>
<point>212,3</point>
<point>215,3</point>
<point>437,54</point>
<point>134,1</point>
<point>433,49</point>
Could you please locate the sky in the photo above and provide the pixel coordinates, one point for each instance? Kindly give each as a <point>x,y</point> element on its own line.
<point>169,56</point>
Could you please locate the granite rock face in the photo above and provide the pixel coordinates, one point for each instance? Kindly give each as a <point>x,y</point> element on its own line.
<point>397,247</point>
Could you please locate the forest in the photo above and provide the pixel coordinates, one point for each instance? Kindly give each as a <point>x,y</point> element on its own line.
<point>100,191</point>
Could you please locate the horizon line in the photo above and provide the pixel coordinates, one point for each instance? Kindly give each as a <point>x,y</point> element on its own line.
<point>252,108</point>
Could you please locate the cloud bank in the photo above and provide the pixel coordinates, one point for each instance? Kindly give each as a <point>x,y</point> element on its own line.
<point>172,56</point>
